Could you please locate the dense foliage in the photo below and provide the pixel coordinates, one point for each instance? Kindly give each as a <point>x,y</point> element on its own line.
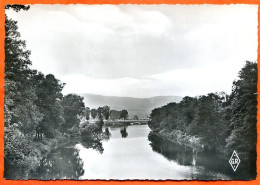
<point>73,107</point>
<point>115,114</point>
<point>37,114</point>
<point>222,123</point>
<point>34,109</point>
<point>124,114</point>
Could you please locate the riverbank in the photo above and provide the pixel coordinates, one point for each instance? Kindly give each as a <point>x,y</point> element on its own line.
<point>29,153</point>
<point>205,165</point>
<point>181,138</point>
<point>193,152</point>
<point>44,147</point>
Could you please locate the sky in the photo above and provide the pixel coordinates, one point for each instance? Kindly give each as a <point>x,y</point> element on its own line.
<point>140,50</point>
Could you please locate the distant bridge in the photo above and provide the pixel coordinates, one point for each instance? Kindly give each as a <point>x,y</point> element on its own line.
<point>127,121</point>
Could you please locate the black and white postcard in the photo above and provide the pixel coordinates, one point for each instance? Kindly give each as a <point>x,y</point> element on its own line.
<point>125,92</point>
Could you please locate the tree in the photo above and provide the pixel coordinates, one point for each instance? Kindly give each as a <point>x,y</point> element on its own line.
<point>21,113</point>
<point>20,95</point>
<point>100,117</point>
<point>20,154</point>
<point>223,123</point>
<point>100,113</point>
<point>93,113</point>
<point>48,90</point>
<point>87,113</point>
<point>124,114</point>
<point>208,120</point>
<point>204,116</point>
<point>114,114</point>
<point>136,117</point>
<point>105,112</point>
<point>187,108</point>
<point>73,107</point>
<point>244,109</point>
<point>157,116</point>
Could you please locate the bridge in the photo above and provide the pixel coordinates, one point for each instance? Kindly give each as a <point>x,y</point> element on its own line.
<point>121,122</point>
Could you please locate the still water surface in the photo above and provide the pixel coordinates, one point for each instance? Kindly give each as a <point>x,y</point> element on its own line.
<point>128,153</point>
<point>129,158</point>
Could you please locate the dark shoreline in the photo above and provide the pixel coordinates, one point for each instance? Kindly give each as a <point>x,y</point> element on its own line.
<point>206,158</point>
<point>44,147</point>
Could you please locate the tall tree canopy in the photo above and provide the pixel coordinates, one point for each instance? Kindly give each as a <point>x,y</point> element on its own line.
<point>73,107</point>
<point>34,107</point>
<point>21,113</point>
<point>93,113</point>
<point>87,113</point>
<point>223,123</point>
<point>105,112</point>
<point>244,109</point>
<point>114,114</point>
<point>48,91</point>
<point>124,114</point>
<point>20,93</point>
<point>100,113</point>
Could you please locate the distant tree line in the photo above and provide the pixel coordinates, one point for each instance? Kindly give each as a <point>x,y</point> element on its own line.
<point>223,122</point>
<point>104,113</point>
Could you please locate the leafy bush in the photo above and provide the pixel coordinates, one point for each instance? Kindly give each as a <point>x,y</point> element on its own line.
<point>20,155</point>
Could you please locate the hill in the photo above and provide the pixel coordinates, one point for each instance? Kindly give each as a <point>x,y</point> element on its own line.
<point>135,106</point>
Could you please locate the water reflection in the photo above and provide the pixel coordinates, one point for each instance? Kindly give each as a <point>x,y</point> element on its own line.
<point>95,158</point>
<point>129,158</point>
<point>93,143</point>
<point>123,132</point>
<point>181,154</point>
<point>65,162</point>
<point>107,134</point>
<point>62,163</point>
<point>208,165</point>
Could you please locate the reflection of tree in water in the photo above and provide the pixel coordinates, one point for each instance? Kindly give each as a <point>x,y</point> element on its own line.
<point>123,132</point>
<point>107,134</point>
<point>94,143</point>
<point>172,151</point>
<point>94,139</point>
<point>62,163</point>
<point>92,135</point>
<point>206,165</point>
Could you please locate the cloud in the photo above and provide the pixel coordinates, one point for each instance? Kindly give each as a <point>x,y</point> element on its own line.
<point>116,87</point>
<point>184,82</point>
<point>139,49</point>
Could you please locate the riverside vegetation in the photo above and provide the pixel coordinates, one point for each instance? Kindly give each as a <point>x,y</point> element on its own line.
<point>217,122</point>
<point>38,117</point>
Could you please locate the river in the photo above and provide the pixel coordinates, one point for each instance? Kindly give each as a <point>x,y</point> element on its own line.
<point>127,153</point>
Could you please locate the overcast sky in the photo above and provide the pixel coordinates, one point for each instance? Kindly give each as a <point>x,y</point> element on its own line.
<point>140,50</point>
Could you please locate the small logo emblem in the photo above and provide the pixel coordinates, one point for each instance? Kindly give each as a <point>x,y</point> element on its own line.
<point>234,161</point>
